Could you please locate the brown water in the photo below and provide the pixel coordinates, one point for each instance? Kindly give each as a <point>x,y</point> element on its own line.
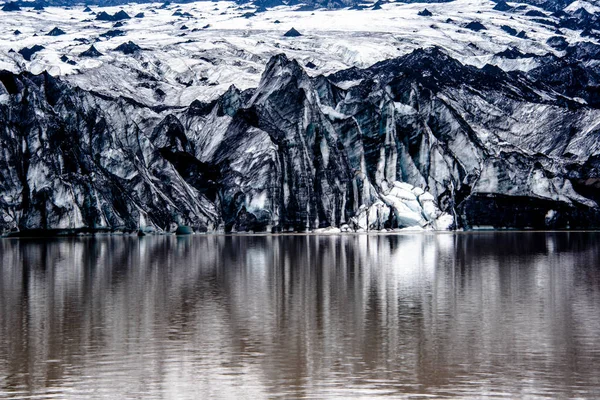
<point>442,315</point>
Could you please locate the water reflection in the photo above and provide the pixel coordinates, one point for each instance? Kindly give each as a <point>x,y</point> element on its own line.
<point>505,314</point>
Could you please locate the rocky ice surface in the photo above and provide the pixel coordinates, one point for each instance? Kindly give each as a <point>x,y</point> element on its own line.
<point>185,52</point>
<point>421,141</point>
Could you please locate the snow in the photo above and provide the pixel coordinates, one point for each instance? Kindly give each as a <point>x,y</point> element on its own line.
<point>332,113</point>
<point>412,207</point>
<point>328,230</point>
<point>404,109</point>
<point>324,152</point>
<point>259,201</point>
<point>234,50</point>
<point>348,84</point>
<point>550,216</point>
<point>444,222</point>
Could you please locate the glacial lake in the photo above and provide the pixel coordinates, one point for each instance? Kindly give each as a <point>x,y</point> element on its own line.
<point>468,315</point>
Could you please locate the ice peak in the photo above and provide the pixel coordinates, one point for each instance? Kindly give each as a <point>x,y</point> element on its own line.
<point>279,73</point>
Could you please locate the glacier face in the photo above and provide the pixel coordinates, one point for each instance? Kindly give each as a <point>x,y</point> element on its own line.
<point>419,141</point>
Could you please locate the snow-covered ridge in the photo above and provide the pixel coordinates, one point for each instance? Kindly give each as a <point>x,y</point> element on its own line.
<point>198,50</point>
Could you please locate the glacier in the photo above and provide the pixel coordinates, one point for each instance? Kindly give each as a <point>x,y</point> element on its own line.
<point>377,117</point>
<point>420,141</point>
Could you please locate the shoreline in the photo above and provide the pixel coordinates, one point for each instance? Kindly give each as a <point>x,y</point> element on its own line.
<point>407,231</point>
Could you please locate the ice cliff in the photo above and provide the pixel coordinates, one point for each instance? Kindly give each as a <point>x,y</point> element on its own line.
<point>418,141</point>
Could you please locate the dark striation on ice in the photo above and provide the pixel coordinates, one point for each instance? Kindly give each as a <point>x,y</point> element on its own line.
<point>268,3</point>
<point>128,48</point>
<point>509,30</point>
<point>28,52</point>
<point>56,32</point>
<point>557,42</point>
<point>292,33</point>
<point>535,13</point>
<point>91,52</point>
<point>514,54</point>
<point>118,16</point>
<point>113,33</point>
<point>305,7</point>
<point>11,6</point>
<point>67,60</point>
<point>545,21</point>
<point>502,6</point>
<point>475,26</point>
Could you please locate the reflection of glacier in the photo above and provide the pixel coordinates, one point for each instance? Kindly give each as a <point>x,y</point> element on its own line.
<point>260,316</point>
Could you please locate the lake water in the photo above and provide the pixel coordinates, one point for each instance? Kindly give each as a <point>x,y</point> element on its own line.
<point>407,315</point>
